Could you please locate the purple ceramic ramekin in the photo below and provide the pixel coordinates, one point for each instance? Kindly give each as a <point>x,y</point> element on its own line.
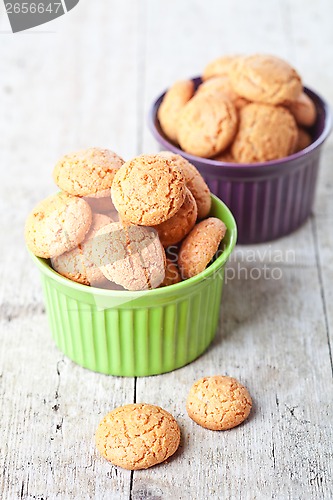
<point>270,199</point>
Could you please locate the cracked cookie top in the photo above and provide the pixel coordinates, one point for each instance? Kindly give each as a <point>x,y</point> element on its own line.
<point>137,436</point>
<point>267,79</point>
<point>57,224</point>
<point>265,133</point>
<point>87,172</point>
<point>218,402</point>
<point>221,66</point>
<point>148,190</point>
<point>222,84</point>
<point>207,124</point>
<point>131,256</point>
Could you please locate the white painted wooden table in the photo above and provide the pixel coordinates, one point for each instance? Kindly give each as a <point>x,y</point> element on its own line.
<point>88,79</point>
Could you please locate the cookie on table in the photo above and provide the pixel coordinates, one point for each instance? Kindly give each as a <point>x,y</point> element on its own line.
<point>200,246</point>
<point>265,133</point>
<point>222,84</point>
<point>172,274</point>
<point>137,436</point>
<point>130,256</point>
<point>174,100</point>
<point>265,79</point>
<point>78,264</point>
<point>57,224</point>
<point>218,403</point>
<point>207,124</point>
<point>194,181</point>
<point>173,230</point>
<point>304,110</point>
<point>87,172</point>
<point>148,190</point>
<point>221,66</point>
<point>303,140</point>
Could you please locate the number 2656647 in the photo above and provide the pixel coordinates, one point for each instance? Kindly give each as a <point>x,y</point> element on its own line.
<point>32,8</point>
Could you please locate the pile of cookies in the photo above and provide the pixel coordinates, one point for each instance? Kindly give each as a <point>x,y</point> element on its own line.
<point>136,225</point>
<point>247,109</point>
<point>138,436</point>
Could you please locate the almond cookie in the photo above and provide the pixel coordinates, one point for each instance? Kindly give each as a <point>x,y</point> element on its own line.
<point>148,190</point>
<point>200,246</point>
<point>304,110</point>
<point>172,274</point>
<point>194,181</point>
<point>303,140</point>
<point>173,230</point>
<point>174,100</point>
<point>219,67</point>
<point>131,256</point>
<point>137,436</point>
<point>77,264</point>
<point>86,172</point>
<point>207,124</point>
<point>218,403</point>
<point>267,79</point>
<point>222,84</point>
<point>57,224</point>
<point>265,133</point>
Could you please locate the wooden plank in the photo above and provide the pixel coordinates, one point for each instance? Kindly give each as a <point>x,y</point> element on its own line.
<point>324,243</point>
<point>273,332</point>
<point>273,341</point>
<point>90,82</point>
<point>49,413</point>
<point>60,91</point>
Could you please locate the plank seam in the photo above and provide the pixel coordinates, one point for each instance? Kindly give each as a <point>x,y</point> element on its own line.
<point>322,288</point>
<point>141,73</point>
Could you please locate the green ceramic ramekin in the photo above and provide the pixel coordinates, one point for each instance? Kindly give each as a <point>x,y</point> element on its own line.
<point>138,333</point>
